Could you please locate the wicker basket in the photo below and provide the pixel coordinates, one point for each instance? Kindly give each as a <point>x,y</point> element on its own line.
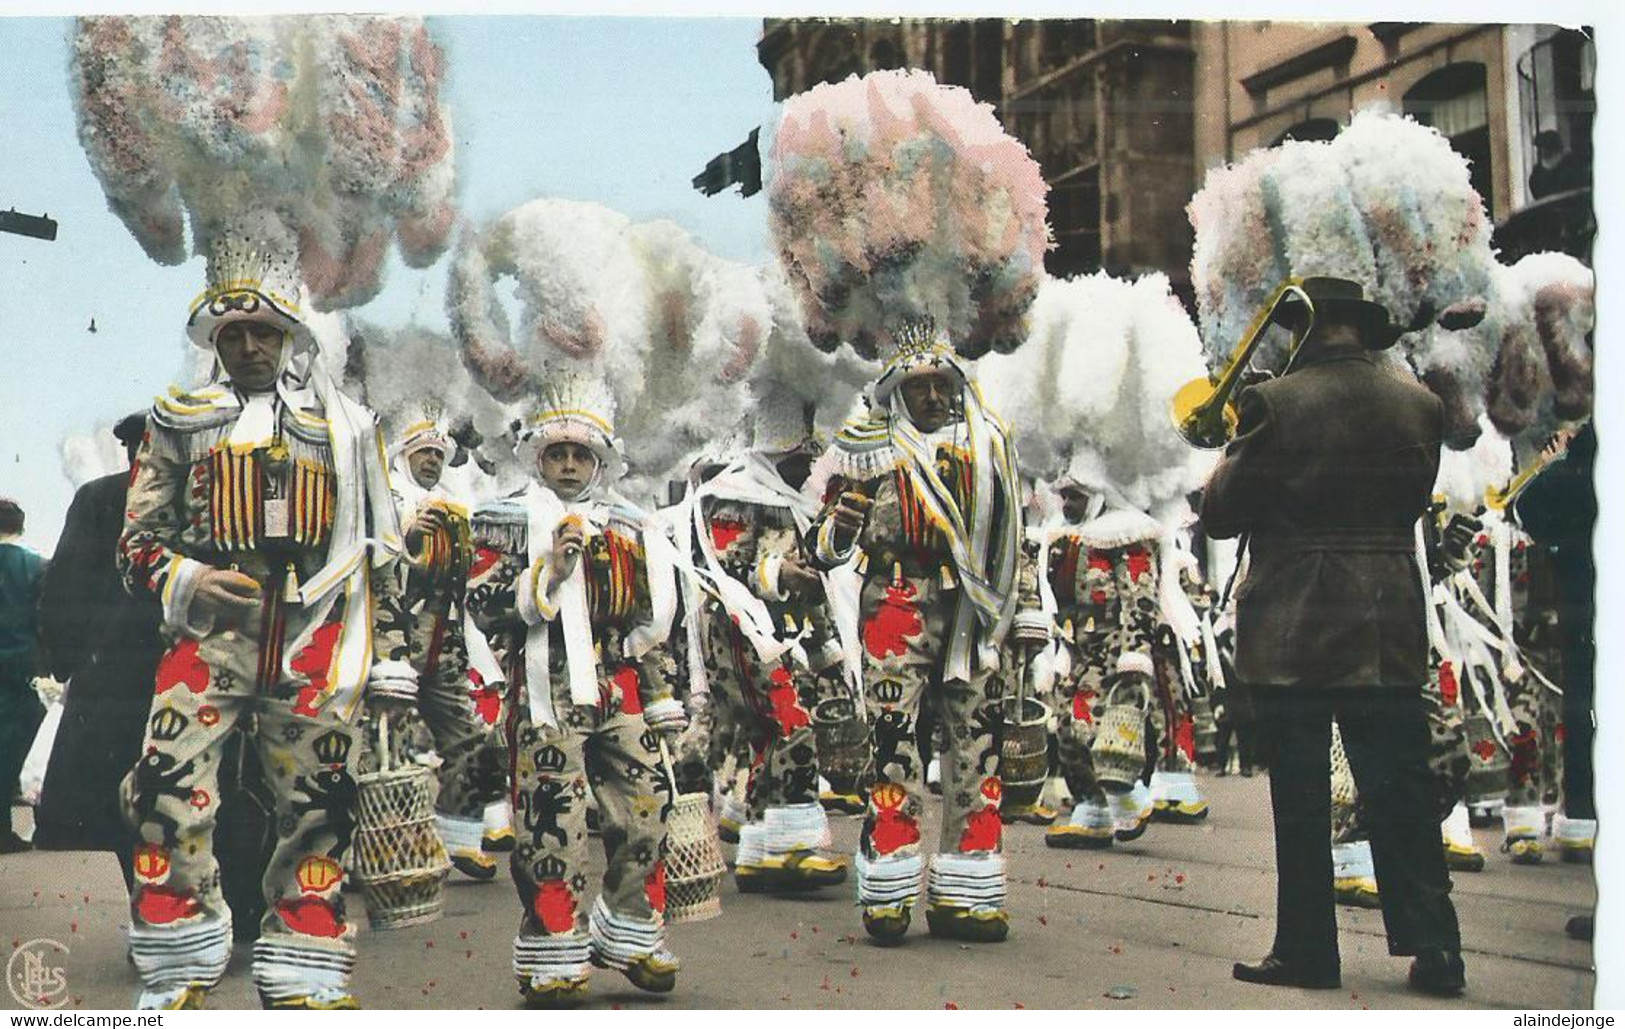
<point>694,865</point>
<point>1119,747</point>
<point>398,857</point>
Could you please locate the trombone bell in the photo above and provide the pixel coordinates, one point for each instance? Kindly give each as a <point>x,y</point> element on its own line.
<point>1203,418</point>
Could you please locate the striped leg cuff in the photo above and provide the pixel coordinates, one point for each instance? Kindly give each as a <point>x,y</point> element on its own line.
<point>618,941</point>
<point>540,959</point>
<point>889,881</point>
<point>459,834</point>
<point>794,827</point>
<point>972,881</point>
<point>284,970</point>
<point>180,955</point>
<point>1175,787</point>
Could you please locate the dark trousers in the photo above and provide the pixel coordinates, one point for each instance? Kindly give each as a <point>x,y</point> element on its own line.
<point>1385,736</point>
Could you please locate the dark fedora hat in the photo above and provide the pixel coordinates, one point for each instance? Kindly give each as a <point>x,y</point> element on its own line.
<point>1343,300</point>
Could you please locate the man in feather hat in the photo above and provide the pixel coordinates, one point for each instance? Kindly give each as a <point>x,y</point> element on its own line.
<point>761,636</point>
<point>259,516</point>
<point>922,492</point>
<point>576,590</point>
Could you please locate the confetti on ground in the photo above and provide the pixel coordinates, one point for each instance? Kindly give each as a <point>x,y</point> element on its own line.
<point>950,1006</point>
<point>1042,920</point>
<point>1122,993</point>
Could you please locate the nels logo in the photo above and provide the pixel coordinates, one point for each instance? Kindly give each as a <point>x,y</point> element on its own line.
<point>549,759</point>
<point>332,748</point>
<point>889,691</point>
<point>318,874</point>
<point>168,724</point>
<point>151,863</point>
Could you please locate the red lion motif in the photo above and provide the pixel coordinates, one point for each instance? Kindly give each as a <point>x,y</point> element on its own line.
<point>894,622</point>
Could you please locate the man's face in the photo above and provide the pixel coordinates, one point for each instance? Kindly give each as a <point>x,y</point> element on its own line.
<point>251,353</point>
<point>567,468</point>
<point>426,465</point>
<point>1074,504</point>
<point>931,398</point>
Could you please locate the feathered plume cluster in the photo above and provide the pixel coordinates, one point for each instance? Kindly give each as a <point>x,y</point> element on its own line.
<point>333,123</point>
<point>1088,394</point>
<point>674,331</point>
<point>1390,205</point>
<point>1526,368</point>
<point>896,198</point>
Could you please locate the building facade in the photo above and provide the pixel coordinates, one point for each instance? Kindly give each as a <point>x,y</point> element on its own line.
<point>1126,117</point>
<point>1106,107</point>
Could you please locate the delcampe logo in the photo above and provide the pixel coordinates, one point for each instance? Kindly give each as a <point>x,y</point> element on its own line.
<point>36,974</point>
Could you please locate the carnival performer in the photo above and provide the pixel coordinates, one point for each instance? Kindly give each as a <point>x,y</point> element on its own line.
<point>259,515</point>
<point>882,210</point>
<point>760,637</point>
<point>576,591</point>
<point>438,554</point>
<point>923,490</point>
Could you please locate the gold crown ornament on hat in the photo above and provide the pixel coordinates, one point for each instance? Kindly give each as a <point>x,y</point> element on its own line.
<point>427,432</point>
<point>576,407</point>
<point>252,275</point>
<point>920,346</point>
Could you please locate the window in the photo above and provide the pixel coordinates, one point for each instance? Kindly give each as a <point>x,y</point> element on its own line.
<point>1454,101</point>
<point>1311,130</point>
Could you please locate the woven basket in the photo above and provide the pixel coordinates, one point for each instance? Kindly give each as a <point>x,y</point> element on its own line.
<point>1119,747</point>
<point>397,856</point>
<point>694,865</point>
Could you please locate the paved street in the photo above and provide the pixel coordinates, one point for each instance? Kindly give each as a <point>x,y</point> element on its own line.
<point>1153,924</point>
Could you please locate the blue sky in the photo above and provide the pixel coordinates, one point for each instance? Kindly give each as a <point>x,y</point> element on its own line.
<point>622,111</point>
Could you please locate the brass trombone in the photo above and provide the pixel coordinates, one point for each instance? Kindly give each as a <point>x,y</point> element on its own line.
<point>1202,411</point>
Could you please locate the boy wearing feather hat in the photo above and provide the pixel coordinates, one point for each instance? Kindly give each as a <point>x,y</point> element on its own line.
<point>923,492</point>
<point>259,515</point>
<point>760,623</point>
<point>576,590</point>
<point>439,551</point>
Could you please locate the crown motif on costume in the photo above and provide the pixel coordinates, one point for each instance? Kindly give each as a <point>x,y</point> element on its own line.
<point>918,338</point>
<point>549,759</point>
<point>332,748</point>
<point>168,724</point>
<point>427,431</point>
<point>318,874</point>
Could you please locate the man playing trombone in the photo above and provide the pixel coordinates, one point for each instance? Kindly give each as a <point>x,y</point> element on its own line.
<point>1329,470</point>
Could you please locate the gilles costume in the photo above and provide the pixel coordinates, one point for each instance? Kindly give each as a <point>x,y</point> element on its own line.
<point>1102,582</point>
<point>590,694</point>
<point>437,575</point>
<point>289,487</point>
<point>938,555</point>
<point>758,650</point>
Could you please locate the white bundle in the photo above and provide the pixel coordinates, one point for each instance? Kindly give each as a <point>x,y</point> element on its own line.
<point>672,330</point>
<point>1527,365</point>
<point>333,124</point>
<point>1387,204</point>
<point>795,376</point>
<point>90,456</point>
<point>1088,393</point>
<point>1466,475</point>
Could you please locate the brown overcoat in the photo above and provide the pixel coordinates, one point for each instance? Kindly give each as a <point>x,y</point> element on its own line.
<point>1329,471</point>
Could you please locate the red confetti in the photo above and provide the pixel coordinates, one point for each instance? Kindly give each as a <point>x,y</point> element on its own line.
<point>73,927</point>
<point>854,971</point>
<point>1179,878</point>
<point>428,944</point>
<point>468,954</point>
<point>825,984</point>
<point>1020,1006</point>
<point>1042,882</point>
<point>795,935</point>
<point>462,934</point>
<point>950,1006</point>
<point>1042,920</point>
